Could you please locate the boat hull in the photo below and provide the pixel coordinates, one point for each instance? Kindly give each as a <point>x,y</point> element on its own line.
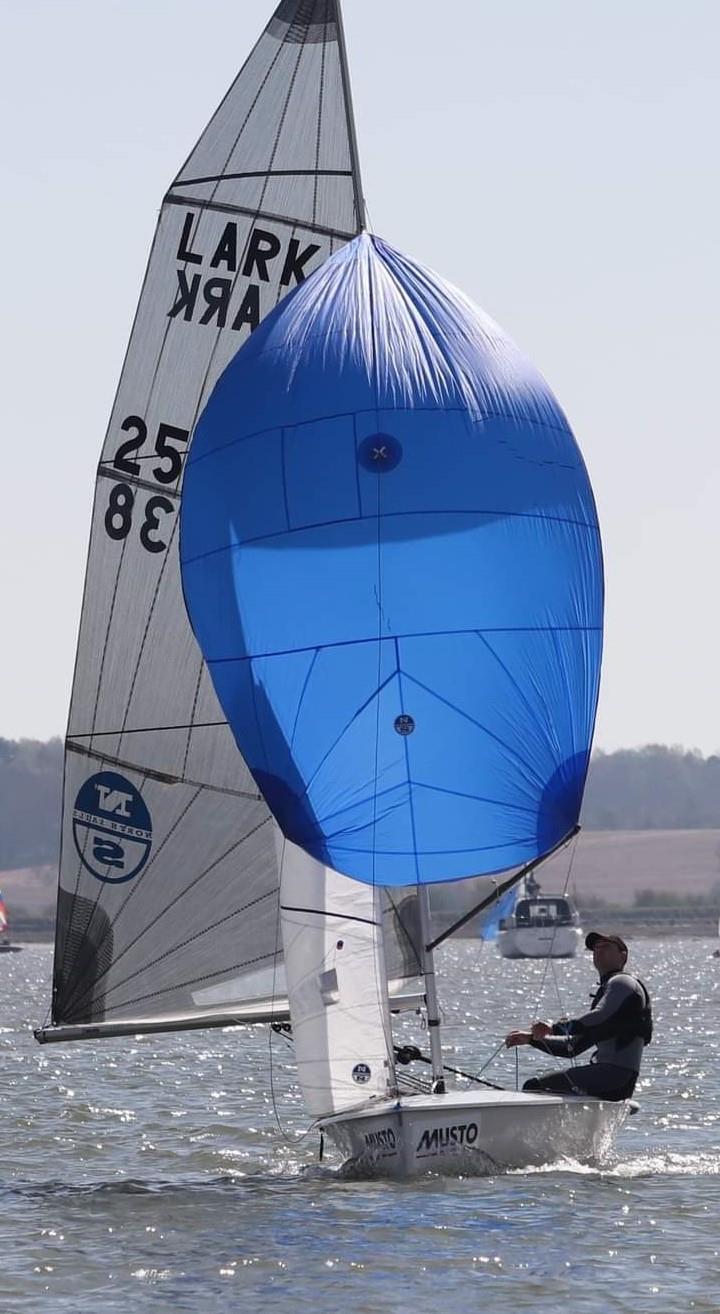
<point>540,942</point>
<point>474,1133</point>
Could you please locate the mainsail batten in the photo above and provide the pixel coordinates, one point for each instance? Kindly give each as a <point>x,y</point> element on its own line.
<point>154,788</point>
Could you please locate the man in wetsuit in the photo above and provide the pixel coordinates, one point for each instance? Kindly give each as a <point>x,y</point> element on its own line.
<point>619,1025</point>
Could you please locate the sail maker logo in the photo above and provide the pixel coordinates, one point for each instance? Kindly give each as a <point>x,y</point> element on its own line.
<point>442,1138</point>
<point>240,266</point>
<point>111,828</point>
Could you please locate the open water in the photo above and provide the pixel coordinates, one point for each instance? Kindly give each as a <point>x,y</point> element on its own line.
<point>171,1173</point>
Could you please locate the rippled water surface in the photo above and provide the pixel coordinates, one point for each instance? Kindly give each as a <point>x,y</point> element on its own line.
<point>171,1173</point>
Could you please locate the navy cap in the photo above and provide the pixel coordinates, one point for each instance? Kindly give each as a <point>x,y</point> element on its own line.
<point>595,937</point>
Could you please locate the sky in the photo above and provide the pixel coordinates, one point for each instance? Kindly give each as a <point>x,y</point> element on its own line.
<point>557,160</point>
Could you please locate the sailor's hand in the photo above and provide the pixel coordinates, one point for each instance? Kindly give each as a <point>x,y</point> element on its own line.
<point>517,1038</point>
<point>540,1030</point>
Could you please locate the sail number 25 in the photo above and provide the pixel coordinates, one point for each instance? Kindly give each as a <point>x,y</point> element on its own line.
<point>121,502</point>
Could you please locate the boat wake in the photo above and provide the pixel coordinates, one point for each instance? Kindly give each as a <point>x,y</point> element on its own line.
<point>663,1163</point>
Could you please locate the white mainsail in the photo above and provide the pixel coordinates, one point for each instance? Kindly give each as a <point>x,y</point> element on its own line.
<point>169,885</point>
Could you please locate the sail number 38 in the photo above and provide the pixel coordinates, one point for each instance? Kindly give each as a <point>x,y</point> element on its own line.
<point>169,446</point>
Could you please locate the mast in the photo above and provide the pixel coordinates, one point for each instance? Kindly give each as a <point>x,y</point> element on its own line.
<point>433,1010</point>
<point>352,131</point>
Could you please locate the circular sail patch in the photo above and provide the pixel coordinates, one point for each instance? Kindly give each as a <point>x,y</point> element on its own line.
<point>111,828</point>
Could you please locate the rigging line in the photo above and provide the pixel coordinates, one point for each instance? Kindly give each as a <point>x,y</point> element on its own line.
<point>573,851</point>
<point>381,988</point>
<point>278,931</point>
<point>180,895</point>
<point>469,1076</point>
<point>552,941</point>
<point>504,886</point>
<point>492,1058</point>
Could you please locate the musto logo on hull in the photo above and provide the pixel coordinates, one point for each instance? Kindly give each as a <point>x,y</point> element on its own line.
<point>434,1139</point>
<point>111,828</point>
<point>383,1142</point>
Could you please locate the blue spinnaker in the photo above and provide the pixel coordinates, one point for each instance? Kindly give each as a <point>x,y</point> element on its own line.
<point>489,921</point>
<point>392,562</point>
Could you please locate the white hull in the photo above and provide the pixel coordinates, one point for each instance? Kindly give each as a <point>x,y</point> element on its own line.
<point>540,941</point>
<point>474,1133</point>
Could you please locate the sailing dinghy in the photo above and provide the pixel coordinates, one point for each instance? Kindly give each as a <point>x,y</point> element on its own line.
<point>387,673</point>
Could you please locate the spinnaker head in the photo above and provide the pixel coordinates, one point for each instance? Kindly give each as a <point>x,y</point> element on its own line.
<point>392,562</point>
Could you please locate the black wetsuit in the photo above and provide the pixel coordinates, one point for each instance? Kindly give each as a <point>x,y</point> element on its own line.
<point>619,1025</point>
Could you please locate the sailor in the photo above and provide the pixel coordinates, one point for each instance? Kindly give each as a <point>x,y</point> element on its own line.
<point>619,1025</point>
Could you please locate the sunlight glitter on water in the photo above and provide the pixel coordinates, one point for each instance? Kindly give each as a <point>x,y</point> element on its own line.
<point>121,1186</point>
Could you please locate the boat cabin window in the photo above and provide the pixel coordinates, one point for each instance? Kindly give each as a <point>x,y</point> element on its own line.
<point>543,911</point>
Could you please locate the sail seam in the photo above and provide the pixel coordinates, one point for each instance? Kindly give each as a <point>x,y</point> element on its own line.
<point>532,774</point>
<point>227,207</point>
<point>487,414</point>
<point>544,726</point>
<point>422,634</point>
<point>183,985</point>
<point>388,515</point>
<point>77,1000</point>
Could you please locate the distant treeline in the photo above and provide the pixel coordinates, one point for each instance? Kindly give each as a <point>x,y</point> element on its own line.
<point>652,788</point>
<point>30,801</point>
